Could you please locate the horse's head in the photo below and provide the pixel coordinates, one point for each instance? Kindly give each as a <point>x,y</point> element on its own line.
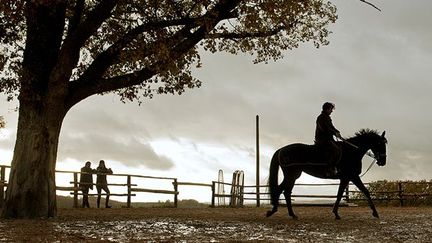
<point>371,139</point>
<point>378,148</point>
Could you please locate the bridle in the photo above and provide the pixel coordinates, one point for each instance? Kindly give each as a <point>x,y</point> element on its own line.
<point>375,156</point>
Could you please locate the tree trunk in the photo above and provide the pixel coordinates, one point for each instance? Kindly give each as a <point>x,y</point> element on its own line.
<point>31,191</point>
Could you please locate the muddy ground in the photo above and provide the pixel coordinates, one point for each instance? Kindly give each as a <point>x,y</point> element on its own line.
<point>315,224</point>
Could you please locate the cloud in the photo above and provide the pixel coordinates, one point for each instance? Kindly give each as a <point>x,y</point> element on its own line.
<point>128,151</point>
<point>93,134</point>
<point>376,69</point>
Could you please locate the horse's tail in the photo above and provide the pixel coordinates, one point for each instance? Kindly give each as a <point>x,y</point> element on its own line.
<point>273,179</point>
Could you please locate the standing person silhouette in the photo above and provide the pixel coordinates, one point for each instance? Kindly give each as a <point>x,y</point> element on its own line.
<point>86,182</point>
<point>101,182</point>
<point>324,133</point>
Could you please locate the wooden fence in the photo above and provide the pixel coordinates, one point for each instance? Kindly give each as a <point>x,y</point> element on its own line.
<point>264,195</point>
<point>402,194</point>
<point>242,193</point>
<point>131,188</point>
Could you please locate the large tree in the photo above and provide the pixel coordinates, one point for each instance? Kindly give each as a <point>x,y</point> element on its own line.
<point>55,53</point>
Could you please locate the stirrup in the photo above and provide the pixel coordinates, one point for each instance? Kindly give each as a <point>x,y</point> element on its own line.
<point>332,172</point>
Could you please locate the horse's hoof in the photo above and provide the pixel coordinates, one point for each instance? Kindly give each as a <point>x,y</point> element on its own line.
<point>375,214</point>
<point>270,213</point>
<point>337,217</point>
<point>294,217</point>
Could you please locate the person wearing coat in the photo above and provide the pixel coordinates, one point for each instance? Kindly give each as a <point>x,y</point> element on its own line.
<point>86,182</point>
<point>101,182</point>
<point>324,137</point>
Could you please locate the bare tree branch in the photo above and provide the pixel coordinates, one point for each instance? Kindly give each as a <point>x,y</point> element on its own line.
<point>76,17</point>
<point>93,21</point>
<point>105,59</point>
<point>81,89</point>
<point>69,54</point>
<point>244,34</point>
<point>371,4</point>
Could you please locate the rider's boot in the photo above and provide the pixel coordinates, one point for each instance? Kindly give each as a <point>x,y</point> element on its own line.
<point>332,171</point>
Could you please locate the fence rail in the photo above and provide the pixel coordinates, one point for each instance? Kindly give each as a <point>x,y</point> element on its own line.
<point>236,195</point>
<point>264,196</point>
<point>131,188</point>
<point>402,194</point>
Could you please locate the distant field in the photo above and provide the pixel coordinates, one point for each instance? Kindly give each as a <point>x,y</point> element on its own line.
<point>67,202</point>
<point>315,224</point>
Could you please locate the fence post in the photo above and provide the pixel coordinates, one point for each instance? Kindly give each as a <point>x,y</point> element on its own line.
<point>175,192</point>
<point>400,193</point>
<point>2,184</point>
<point>129,189</point>
<point>347,193</point>
<point>213,194</point>
<point>242,192</point>
<point>233,198</point>
<point>257,179</point>
<point>75,190</point>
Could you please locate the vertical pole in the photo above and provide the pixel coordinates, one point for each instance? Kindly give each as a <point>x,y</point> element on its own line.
<point>213,194</point>
<point>242,190</point>
<point>400,193</point>
<point>347,193</point>
<point>220,188</point>
<point>175,192</point>
<point>75,200</point>
<point>233,190</point>
<point>257,163</point>
<point>129,191</point>
<point>237,189</point>
<point>2,184</point>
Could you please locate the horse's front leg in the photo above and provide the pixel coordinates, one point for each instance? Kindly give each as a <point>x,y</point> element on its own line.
<point>357,181</point>
<point>342,185</point>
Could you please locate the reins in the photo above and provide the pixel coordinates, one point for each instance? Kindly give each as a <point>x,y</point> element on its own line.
<point>355,146</point>
<point>367,153</point>
<point>370,166</point>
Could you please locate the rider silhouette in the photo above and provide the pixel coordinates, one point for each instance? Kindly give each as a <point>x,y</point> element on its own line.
<point>324,140</point>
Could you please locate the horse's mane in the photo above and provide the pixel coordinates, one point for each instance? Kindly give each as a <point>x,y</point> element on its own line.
<point>366,133</point>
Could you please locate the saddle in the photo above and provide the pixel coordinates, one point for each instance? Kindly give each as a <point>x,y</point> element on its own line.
<point>311,155</point>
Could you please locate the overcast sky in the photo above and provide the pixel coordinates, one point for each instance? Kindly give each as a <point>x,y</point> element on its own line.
<point>376,70</point>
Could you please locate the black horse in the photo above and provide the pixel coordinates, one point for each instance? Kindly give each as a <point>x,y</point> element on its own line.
<point>297,158</point>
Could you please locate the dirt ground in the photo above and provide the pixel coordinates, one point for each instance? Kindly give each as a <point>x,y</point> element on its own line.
<point>315,224</point>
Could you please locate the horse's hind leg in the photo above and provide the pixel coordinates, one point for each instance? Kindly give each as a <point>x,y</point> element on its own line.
<point>275,203</point>
<point>287,194</point>
<point>290,181</point>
